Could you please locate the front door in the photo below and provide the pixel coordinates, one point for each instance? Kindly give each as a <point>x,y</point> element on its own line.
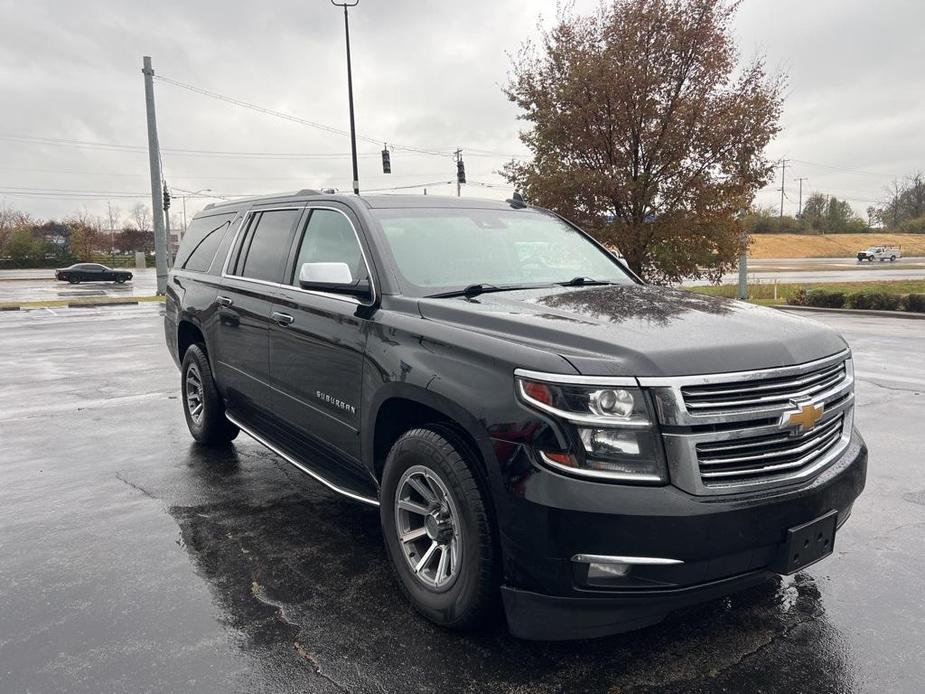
<point>318,339</point>
<point>245,302</point>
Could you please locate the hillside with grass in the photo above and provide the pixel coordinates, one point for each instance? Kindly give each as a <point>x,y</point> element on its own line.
<point>830,245</point>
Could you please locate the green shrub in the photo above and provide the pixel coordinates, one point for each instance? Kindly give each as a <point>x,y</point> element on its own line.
<point>824,299</point>
<point>913,226</point>
<point>915,303</point>
<point>798,298</point>
<point>874,301</point>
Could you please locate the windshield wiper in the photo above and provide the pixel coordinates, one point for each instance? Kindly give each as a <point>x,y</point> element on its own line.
<point>582,281</point>
<point>474,290</point>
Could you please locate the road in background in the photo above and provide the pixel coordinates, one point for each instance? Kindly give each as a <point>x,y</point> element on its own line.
<point>135,560</point>
<point>41,285</point>
<point>813,270</point>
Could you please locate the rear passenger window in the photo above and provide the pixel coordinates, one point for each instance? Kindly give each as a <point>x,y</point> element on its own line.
<point>261,256</point>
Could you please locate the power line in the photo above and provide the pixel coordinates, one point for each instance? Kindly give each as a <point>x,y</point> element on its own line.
<point>297,119</point>
<point>845,169</point>
<point>408,187</point>
<point>66,142</point>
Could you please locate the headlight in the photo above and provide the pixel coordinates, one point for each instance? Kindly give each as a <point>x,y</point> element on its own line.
<point>613,433</point>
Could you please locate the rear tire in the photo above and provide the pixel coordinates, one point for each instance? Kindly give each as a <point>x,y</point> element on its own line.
<point>202,404</point>
<point>461,591</point>
<point>892,258</point>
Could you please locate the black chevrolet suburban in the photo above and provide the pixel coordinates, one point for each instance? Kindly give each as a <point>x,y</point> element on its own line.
<point>542,432</point>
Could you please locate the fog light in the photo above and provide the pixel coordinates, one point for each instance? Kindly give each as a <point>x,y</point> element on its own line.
<point>596,570</point>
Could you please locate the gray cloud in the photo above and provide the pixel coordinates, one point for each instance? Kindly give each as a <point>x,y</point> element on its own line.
<point>427,74</point>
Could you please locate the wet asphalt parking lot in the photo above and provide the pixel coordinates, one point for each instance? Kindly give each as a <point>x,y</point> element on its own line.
<point>132,560</point>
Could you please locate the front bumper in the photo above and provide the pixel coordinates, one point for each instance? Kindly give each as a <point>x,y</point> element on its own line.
<point>726,543</point>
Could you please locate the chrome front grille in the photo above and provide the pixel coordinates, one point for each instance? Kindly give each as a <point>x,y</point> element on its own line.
<point>732,397</point>
<point>727,433</point>
<point>738,461</point>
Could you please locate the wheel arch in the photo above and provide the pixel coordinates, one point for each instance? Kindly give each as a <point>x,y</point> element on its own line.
<point>189,332</point>
<point>399,407</point>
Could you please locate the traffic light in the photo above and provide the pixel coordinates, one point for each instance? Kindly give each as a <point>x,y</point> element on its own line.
<point>166,199</point>
<point>460,171</point>
<point>386,161</point>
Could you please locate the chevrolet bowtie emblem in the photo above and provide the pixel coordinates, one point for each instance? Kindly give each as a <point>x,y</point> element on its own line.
<point>803,417</point>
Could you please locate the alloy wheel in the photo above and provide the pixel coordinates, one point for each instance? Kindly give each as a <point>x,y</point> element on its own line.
<point>427,523</point>
<point>194,402</point>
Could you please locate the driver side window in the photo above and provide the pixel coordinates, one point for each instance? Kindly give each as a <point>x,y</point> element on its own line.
<point>329,238</point>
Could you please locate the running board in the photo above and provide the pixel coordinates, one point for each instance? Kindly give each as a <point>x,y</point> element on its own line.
<point>301,466</point>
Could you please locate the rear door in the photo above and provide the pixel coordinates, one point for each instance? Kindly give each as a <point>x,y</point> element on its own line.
<point>245,300</point>
<point>318,338</point>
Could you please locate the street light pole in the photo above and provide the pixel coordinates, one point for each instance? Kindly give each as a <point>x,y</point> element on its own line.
<point>189,195</point>
<point>353,132</point>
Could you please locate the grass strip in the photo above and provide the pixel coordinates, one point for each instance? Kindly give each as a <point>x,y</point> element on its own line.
<point>85,301</point>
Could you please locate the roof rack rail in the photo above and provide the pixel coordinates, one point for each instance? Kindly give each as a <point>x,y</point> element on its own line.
<point>209,206</point>
<point>308,191</point>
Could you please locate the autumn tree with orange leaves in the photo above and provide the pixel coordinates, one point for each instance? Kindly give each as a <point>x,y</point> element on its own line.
<point>647,130</point>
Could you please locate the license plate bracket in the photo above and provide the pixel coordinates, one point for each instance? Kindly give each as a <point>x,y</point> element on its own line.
<point>807,543</point>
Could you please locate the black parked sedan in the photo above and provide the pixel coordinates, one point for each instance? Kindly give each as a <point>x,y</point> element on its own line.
<point>91,272</point>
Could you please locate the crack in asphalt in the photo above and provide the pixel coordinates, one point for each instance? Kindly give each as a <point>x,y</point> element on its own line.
<point>260,593</point>
<point>137,487</point>
<point>783,634</point>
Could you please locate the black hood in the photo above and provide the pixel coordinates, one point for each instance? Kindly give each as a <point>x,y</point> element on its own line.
<point>639,330</point>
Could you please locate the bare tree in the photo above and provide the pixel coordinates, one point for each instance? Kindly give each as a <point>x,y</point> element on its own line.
<point>141,217</point>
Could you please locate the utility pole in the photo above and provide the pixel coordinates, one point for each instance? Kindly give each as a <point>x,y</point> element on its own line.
<point>783,169</point>
<point>154,160</point>
<point>742,292</point>
<point>800,208</point>
<point>353,131</point>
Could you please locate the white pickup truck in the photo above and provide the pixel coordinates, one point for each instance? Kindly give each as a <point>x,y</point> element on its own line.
<point>880,253</point>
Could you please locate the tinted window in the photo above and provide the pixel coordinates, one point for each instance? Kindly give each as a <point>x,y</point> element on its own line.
<point>200,259</point>
<point>196,233</point>
<point>329,238</point>
<point>263,252</point>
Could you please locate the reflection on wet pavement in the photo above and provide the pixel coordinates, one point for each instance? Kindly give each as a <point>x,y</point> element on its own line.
<point>134,560</point>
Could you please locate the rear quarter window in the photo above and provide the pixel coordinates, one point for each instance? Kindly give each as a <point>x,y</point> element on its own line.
<point>201,240</point>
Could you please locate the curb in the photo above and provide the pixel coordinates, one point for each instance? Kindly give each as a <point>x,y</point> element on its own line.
<point>96,304</point>
<point>82,304</point>
<point>852,311</point>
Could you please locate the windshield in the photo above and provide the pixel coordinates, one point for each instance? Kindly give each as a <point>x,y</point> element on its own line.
<point>440,250</point>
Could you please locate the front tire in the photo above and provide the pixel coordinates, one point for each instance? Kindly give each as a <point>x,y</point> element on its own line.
<point>438,531</point>
<point>73,280</point>
<point>202,404</point>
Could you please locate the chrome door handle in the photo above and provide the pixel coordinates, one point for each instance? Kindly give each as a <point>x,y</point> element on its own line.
<point>282,319</point>
<point>224,301</point>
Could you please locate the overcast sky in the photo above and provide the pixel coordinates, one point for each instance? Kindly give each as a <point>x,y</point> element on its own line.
<point>426,74</point>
